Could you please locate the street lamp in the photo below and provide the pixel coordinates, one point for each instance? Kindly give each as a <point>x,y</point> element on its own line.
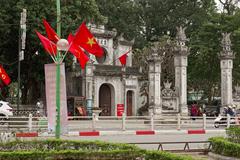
<point>58,61</point>
<point>62,45</point>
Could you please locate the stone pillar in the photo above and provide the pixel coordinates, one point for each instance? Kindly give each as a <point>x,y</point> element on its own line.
<point>226,57</point>
<point>154,76</point>
<point>181,52</point>
<point>89,87</point>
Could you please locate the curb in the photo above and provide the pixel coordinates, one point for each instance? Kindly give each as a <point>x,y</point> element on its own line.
<point>29,134</point>
<point>145,132</point>
<point>92,133</point>
<point>117,133</point>
<point>221,157</point>
<point>198,131</point>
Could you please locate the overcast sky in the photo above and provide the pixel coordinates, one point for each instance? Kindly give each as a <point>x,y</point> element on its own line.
<point>218,4</point>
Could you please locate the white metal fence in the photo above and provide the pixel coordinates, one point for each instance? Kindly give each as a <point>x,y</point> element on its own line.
<point>113,123</point>
<point>23,124</point>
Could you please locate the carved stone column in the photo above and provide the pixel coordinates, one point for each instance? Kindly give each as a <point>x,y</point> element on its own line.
<point>181,53</point>
<point>226,57</point>
<point>154,76</point>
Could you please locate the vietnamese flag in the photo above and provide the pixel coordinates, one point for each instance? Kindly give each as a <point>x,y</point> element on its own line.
<point>51,34</point>
<point>48,45</point>
<point>4,77</point>
<point>85,39</point>
<point>77,52</point>
<point>82,58</point>
<point>123,58</point>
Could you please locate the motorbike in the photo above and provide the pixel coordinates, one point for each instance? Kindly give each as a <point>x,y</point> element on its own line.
<point>222,121</point>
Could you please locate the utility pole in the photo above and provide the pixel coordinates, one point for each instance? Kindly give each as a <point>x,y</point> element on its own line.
<point>21,47</point>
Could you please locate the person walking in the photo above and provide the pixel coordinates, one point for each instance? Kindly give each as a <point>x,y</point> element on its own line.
<point>194,110</point>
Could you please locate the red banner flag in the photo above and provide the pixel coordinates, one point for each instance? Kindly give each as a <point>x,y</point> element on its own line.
<point>51,34</point>
<point>48,45</point>
<point>4,77</point>
<point>86,40</point>
<point>82,58</point>
<point>77,52</point>
<point>123,58</point>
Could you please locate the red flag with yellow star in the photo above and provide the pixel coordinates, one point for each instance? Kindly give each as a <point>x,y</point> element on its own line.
<point>4,77</point>
<point>77,52</point>
<point>86,40</point>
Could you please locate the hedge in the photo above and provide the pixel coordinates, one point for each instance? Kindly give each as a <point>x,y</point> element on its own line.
<point>156,155</point>
<point>224,147</point>
<point>54,144</point>
<point>71,155</point>
<point>233,134</point>
<point>79,150</point>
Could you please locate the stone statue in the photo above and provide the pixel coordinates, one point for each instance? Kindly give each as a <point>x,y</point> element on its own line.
<point>167,91</point>
<point>226,44</point>
<point>181,36</point>
<point>226,41</point>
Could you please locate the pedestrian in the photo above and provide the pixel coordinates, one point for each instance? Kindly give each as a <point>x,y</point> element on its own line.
<point>194,110</point>
<point>204,108</point>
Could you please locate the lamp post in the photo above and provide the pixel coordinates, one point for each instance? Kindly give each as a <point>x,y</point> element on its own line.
<point>62,45</point>
<point>58,60</point>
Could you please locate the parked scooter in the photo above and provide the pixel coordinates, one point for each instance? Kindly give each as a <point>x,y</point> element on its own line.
<point>222,121</point>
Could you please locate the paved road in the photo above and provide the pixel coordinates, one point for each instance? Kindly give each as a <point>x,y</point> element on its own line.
<point>153,138</point>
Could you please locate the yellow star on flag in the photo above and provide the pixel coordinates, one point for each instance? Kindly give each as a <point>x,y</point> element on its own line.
<point>91,41</point>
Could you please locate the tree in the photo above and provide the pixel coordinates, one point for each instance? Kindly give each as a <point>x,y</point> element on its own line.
<point>229,6</point>
<point>32,68</point>
<point>204,63</point>
<point>125,16</point>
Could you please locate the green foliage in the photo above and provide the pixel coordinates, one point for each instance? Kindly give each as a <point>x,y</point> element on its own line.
<point>224,147</point>
<point>71,154</point>
<point>32,68</point>
<point>156,155</point>
<point>126,17</point>
<point>233,134</point>
<point>67,149</point>
<point>79,150</point>
<point>54,144</point>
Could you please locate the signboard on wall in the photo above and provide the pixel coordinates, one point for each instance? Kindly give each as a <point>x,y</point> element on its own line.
<point>120,109</point>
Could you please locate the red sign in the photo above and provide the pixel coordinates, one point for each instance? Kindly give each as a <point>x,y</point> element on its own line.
<point>120,109</point>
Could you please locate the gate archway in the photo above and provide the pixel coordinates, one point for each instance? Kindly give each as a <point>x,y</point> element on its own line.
<point>106,99</point>
<point>130,103</point>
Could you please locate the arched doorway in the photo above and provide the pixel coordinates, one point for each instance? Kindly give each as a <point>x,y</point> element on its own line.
<point>105,102</point>
<point>129,103</point>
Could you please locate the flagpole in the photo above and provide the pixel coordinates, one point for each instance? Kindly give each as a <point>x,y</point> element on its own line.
<point>58,60</point>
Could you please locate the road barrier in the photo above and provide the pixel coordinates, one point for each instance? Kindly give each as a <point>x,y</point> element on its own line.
<point>117,123</point>
<point>23,124</point>
<point>186,147</point>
